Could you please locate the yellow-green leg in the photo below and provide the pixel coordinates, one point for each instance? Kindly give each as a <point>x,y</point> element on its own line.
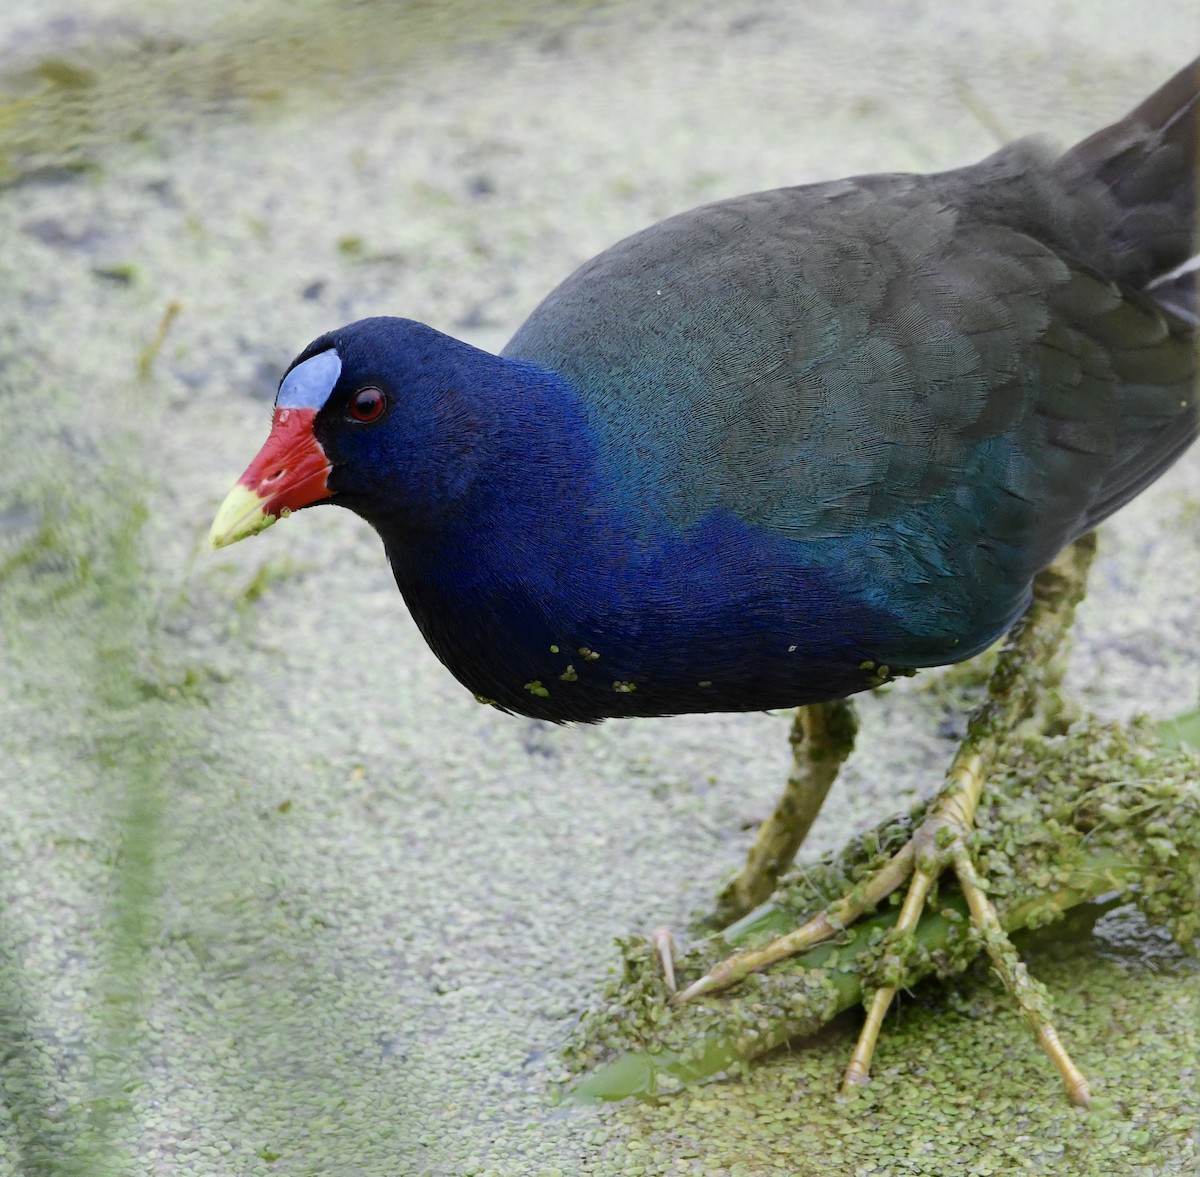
<point>822,737</point>
<point>1021,674</point>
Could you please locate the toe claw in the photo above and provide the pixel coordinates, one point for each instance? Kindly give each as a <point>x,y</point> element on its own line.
<point>664,949</point>
<point>707,984</point>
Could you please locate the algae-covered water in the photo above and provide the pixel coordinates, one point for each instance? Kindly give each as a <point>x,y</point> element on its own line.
<point>276,896</point>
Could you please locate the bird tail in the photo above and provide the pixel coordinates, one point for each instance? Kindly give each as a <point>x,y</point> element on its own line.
<point>1149,163</point>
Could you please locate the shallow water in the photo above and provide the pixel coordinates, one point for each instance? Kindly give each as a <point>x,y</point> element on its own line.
<point>279,897</point>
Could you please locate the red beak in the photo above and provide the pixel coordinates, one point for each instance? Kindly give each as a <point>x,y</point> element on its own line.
<point>290,472</point>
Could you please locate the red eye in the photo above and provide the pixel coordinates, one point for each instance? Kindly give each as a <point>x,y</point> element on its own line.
<point>367,404</point>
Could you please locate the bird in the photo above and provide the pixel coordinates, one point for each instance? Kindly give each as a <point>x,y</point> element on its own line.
<point>775,450</point>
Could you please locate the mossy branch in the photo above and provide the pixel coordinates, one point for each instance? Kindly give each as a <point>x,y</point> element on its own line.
<point>1102,810</point>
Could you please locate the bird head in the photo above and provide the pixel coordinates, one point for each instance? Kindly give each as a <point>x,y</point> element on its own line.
<point>379,416</point>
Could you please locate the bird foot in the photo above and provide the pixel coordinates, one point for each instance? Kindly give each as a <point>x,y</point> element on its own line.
<point>941,841</point>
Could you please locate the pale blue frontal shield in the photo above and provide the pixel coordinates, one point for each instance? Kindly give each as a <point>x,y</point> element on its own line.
<point>308,385</point>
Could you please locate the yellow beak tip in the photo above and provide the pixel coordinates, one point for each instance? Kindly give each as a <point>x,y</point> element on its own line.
<point>242,514</point>
<point>220,539</point>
